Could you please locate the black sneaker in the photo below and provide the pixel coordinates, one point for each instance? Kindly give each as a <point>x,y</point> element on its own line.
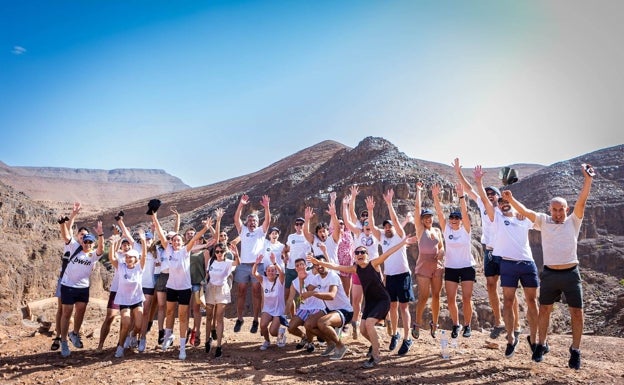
<point>254,327</point>
<point>530,344</point>
<point>467,331</point>
<point>496,331</point>
<point>509,351</point>
<point>575,359</point>
<point>310,347</point>
<point>405,347</point>
<point>393,341</point>
<point>455,331</point>
<point>208,345</point>
<point>238,325</point>
<point>301,344</point>
<point>283,321</point>
<point>538,353</point>
<point>415,331</point>
<point>161,337</point>
<point>213,334</point>
<point>218,352</point>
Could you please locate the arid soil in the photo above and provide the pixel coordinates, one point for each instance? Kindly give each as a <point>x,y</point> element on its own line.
<point>25,358</point>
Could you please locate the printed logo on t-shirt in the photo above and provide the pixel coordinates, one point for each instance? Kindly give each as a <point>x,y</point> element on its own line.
<point>367,241</point>
<point>293,241</point>
<point>386,243</point>
<point>506,222</point>
<point>249,235</point>
<point>451,236</point>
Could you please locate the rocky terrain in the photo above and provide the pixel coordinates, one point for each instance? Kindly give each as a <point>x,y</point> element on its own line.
<point>29,248</point>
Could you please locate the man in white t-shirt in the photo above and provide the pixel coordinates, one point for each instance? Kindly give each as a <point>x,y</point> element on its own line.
<point>561,273</point>
<point>252,244</point>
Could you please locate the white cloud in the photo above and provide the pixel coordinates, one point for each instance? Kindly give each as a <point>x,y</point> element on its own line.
<point>18,50</point>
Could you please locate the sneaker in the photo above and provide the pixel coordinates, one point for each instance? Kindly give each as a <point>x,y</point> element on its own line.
<point>142,344</point>
<point>310,347</point>
<point>208,345</point>
<point>167,342</point>
<point>355,326</point>
<point>254,327</point>
<point>455,331</point>
<point>119,352</point>
<point>149,326</point>
<point>283,320</point>
<point>265,345</point>
<point>126,343</point>
<point>218,352</point>
<point>75,340</point>
<point>517,333</point>
<point>161,336</point>
<point>393,341</point>
<point>415,331</point>
<point>213,334</point>
<point>65,352</point>
<point>575,359</point>
<point>339,352</point>
<point>509,351</point>
<point>496,331</point>
<point>182,355</point>
<point>405,347</point>
<point>133,342</point>
<point>467,331</point>
<point>191,338</point>
<point>301,343</point>
<point>371,362</point>
<point>538,353</point>
<point>329,349</point>
<point>237,325</point>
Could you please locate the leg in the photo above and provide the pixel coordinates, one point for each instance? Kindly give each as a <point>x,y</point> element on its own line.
<point>356,301</point>
<point>424,286</point>
<point>530,294</point>
<point>543,321</point>
<point>256,299</point>
<point>406,318</point>
<point>265,321</point>
<point>576,315</point>
<point>467,287</point>
<point>106,324</point>
<point>451,299</point>
<point>161,298</point>
<point>125,326</point>
<point>147,306</point>
<point>346,284</point>
<point>183,318</point>
<point>394,316</point>
<point>210,318</point>
<point>370,333</point>
<point>65,317</point>
<point>492,289</point>
<point>57,319</point>
<point>436,290</point>
<point>516,312</point>
<point>509,297</point>
<point>219,313</point>
<point>241,294</point>
<point>81,307</point>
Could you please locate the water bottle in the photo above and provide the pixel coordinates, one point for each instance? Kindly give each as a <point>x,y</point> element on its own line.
<point>281,337</point>
<point>444,349</point>
<point>453,347</point>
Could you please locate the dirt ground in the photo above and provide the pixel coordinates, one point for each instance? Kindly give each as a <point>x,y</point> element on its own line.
<point>25,358</point>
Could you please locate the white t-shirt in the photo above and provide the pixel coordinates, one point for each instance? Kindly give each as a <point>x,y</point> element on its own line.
<point>512,238</point>
<point>340,301</point>
<point>559,240</point>
<point>487,226</point>
<point>219,271</point>
<point>275,248</point>
<point>130,290</point>
<point>370,242</point>
<point>79,268</point>
<point>252,243</point>
<point>273,292</point>
<point>397,262</point>
<point>299,246</point>
<point>458,248</point>
<point>164,261</point>
<point>310,303</point>
<point>330,244</point>
<point>179,263</point>
<point>148,271</point>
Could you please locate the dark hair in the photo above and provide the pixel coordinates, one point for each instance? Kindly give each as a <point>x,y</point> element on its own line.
<point>300,259</point>
<point>83,228</point>
<point>321,225</point>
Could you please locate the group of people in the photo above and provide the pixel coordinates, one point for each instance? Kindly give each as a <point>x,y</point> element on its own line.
<point>316,283</point>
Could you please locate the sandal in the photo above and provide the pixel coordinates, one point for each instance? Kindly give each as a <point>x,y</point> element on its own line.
<point>433,331</point>
<point>415,331</point>
<point>56,343</point>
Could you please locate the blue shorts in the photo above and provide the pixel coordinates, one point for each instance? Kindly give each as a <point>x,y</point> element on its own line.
<point>196,288</point>
<point>400,288</point>
<point>71,295</point>
<point>513,272</point>
<point>242,274</point>
<point>557,282</point>
<point>460,275</point>
<point>491,263</point>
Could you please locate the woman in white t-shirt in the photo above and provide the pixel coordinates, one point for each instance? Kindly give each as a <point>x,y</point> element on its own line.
<point>130,295</point>
<point>459,264</point>
<point>218,292</point>
<point>273,305</point>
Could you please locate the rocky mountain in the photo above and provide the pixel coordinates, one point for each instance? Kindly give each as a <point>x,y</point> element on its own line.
<point>308,177</point>
<point>96,189</point>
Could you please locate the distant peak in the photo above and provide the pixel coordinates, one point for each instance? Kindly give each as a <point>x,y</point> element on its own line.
<point>376,143</point>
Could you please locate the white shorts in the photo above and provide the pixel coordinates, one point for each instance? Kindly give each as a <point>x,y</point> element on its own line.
<point>218,294</point>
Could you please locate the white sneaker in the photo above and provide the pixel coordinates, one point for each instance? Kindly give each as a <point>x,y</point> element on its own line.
<point>142,344</point>
<point>265,345</point>
<point>182,355</point>
<point>168,342</point>
<point>119,352</point>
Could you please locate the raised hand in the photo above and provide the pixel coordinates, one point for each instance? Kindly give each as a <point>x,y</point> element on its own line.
<point>456,165</point>
<point>435,190</point>
<point>370,203</point>
<point>332,196</point>
<point>244,199</point>
<point>173,210</point>
<point>98,228</point>
<point>355,190</point>
<point>219,213</point>
<point>507,195</point>
<point>265,201</point>
<point>331,209</point>
<point>478,172</point>
<point>388,196</point>
<point>259,259</point>
<point>309,213</point>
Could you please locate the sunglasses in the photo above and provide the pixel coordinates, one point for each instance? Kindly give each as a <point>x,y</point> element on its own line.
<point>298,224</point>
<point>454,217</point>
<point>365,215</point>
<point>88,242</point>
<point>341,223</point>
<point>360,252</point>
<point>218,251</point>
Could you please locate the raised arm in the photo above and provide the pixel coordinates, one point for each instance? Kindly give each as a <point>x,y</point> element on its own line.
<point>115,241</point>
<point>333,266</point>
<point>331,210</point>
<point>238,222</point>
<point>579,206</point>
<point>406,241</point>
<point>418,209</point>
<point>370,206</point>
<point>388,196</point>
<point>435,190</point>
<point>158,230</point>
<point>354,191</point>
<point>124,230</point>
<point>308,214</point>
<point>519,207</point>
<point>199,234</point>
<point>463,181</point>
<point>72,217</point>
<point>176,225</point>
<point>459,188</point>
<point>143,248</point>
<point>219,215</point>
<point>478,175</point>
<point>254,268</point>
<point>346,215</point>
<point>280,273</point>
<point>267,213</point>
<point>99,230</point>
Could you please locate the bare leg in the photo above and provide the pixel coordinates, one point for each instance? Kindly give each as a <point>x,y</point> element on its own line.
<point>467,287</point>
<point>241,294</point>
<point>451,299</point>
<point>576,313</point>
<point>436,291</point>
<point>492,289</point>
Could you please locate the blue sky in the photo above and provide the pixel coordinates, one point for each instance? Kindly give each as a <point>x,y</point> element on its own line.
<point>209,90</point>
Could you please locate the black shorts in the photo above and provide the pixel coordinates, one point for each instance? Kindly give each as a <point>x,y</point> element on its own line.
<point>400,288</point>
<point>71,295</point>
<point>460,275</point>
<point>553,283</point>
<point>140,304</point>
<point>182,297</point>
<point>345,315</point>
<point>376,309</point>
<point>149,291</point>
